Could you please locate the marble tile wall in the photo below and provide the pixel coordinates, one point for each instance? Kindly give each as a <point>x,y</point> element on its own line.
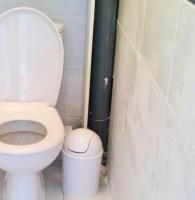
<point>74,16</point>
<point>152,131</point>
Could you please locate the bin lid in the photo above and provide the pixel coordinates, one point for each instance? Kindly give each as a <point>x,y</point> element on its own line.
<point>83,142</point>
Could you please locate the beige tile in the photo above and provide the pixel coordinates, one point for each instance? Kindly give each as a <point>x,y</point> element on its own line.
<point>131,17</point>
<point>147,117</point>
<point>136,106</point>
<point>182,87</point>
<point>160,25</point>
<point>173,172</point>
<point>151,156</point>
<point>125,61</point>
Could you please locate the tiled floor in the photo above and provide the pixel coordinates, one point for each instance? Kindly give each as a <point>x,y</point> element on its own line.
<point>54,187</point>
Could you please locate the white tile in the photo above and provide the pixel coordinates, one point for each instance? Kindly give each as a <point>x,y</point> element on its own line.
<point>160,25</point>
<point>50,7</point>
<point>53,181</point>
<point>70,98</point>
<point>103,194</point>
<point>68,129</point>
<point>72,121</point>
<point>182,87</point>
<point>2,174</point>
<point>53,184</point>
<point>74,40</point>
<point>5,5</point>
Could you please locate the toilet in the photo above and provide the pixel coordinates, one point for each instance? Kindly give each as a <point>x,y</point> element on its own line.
<point>31,131</point>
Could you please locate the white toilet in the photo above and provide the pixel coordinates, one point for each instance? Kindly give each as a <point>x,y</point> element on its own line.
<point>31,131</point>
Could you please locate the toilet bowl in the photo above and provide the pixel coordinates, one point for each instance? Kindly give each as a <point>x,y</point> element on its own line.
<point>23,161</point>
<point>31,131</point>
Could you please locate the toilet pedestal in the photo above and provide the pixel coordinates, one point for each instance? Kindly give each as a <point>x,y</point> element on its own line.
<point>24,186</point>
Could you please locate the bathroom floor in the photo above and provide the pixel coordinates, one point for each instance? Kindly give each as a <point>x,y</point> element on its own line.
<point>54,188</point>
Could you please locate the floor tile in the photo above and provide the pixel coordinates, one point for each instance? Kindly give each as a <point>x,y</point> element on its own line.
<point>53,184</point>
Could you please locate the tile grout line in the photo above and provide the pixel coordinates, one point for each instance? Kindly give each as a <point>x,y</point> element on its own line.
<point>156,85</point>
<point>141,60</point>
<point>173,48</point>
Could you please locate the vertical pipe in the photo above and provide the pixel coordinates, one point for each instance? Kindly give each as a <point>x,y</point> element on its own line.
<point>102,67</point>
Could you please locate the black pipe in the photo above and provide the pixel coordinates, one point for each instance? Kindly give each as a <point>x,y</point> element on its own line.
<point>102,67</point>
<point>193,1</point>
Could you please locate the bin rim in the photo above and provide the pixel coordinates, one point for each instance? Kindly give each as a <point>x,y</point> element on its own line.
<point>80,156</point>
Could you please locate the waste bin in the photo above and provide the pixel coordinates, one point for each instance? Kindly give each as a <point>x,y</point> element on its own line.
<point>82,155</point>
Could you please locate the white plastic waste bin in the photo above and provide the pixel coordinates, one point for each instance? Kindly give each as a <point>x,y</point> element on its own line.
<point>82,155</point>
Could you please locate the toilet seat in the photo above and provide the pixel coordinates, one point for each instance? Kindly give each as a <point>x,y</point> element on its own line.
<point>36,112</point>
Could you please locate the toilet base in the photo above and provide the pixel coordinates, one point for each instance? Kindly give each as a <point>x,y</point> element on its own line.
<point>23,186</point>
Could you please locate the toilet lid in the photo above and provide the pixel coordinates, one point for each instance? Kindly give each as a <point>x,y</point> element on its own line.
<point>31,57</point>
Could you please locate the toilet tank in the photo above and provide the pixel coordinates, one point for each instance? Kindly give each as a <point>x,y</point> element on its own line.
<point>60,27</point>
<point>31,57</point>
